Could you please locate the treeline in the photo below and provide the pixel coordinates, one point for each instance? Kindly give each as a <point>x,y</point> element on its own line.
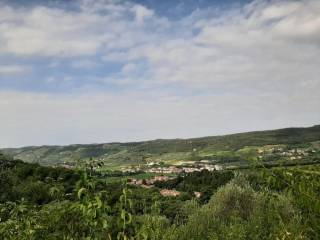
<point>137,152</point>
<point>248,204</point>
<point>33,182</point>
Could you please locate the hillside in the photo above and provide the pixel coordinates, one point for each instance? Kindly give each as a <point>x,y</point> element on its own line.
<point>40,202</point>
<point>115,154</point>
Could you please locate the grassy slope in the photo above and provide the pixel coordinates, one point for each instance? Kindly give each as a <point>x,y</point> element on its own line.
<point>163,150</point>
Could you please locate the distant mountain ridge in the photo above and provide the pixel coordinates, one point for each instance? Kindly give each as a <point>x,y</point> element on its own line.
<point>161,149</point>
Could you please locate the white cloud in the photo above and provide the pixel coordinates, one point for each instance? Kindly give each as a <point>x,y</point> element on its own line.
<point>45,32</point>
<point>246,68</point>
<point>129,67</point>
<point>14,69</point>
<point>84,64</point>
<point>264,46</point>
<point>141,13</point>
<point>56,32</point>
<point>61,119</point>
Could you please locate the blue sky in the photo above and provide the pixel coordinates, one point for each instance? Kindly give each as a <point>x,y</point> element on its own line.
<point>98,71</point>
<point>51,72</point>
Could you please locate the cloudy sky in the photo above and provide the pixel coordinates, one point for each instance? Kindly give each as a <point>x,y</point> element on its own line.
<point>87,71</point>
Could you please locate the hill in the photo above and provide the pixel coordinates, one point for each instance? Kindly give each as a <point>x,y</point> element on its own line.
<point>228,147</point>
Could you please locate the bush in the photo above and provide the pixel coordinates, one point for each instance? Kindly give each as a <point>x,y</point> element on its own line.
<point>236,211</point>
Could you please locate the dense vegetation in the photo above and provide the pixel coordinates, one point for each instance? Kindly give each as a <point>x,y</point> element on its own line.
<point>220,148</point>
<point>53,203</point>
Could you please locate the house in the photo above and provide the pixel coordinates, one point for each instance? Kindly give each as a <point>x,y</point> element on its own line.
<point>67,166</point>
<point>147,186</point>
<point>218,167</point>
<point>160,178</point>
<point>197,194</point>
<point>169,193</point>
<point>134,181</point>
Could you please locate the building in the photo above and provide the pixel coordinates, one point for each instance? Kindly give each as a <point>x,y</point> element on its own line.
<point>160,178</point>
<point>197,194</point>
<point>170,193</point>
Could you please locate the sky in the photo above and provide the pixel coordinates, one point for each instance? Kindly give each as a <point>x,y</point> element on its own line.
<point>92,71</point>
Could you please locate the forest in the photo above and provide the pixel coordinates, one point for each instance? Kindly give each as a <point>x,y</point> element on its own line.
<point>38,202</point>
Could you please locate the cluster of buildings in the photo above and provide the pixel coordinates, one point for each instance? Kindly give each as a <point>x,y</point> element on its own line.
<point>66,166</point>
<point>170,193</point>
<point>148,182</point>
<point>292,154</point>
<point>189,169</point>
<point>175,193</point>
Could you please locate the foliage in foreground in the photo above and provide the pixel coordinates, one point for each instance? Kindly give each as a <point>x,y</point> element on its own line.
<point>269,204</point>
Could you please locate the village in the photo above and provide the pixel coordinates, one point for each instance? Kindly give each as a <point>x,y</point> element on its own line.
<point>162,172</point>
<point>187,167</point>
<point>271,151</point>
<point>149,183</point>
<point>165,172</point>
<point>285,153</point>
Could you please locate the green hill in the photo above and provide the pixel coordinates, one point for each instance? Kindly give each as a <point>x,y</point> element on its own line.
<point>115,154</point>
